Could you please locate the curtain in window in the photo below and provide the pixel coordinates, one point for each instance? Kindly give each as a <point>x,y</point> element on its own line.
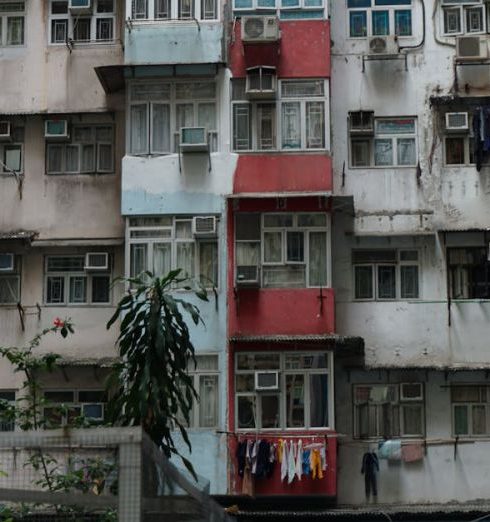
<point>139,125</point>
<point>160,138</point>
<point>72,158</point>
<point>88,158</point>
<point>206,116</point>
<point>412,419</point>
<point>138,259</point>
<point>15,30</point>
<point>386,282</point>
<point>55,158</point>
<point>406,151</point>
<point>247,254</point>
<point>383,152</point>
<point>318,259</point>
<point>208,263</point>
<point>315,125</point>
<point>162,258</point>
<point>162,9</point>
<point>9,289</point>
<point>409,282</point>
<point>318,401</point>
<point>105,158</point>
<point>291,125</point>
<point>208,401</point>
<point>272,247</point>
<point>185,259</point>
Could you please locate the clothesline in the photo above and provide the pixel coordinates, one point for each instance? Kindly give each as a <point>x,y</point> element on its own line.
<point>280,435</point>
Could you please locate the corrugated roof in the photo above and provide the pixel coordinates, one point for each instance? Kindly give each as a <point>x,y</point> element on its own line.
<point>102,362</point>
<point>25,235</point>
<point>292,338</point>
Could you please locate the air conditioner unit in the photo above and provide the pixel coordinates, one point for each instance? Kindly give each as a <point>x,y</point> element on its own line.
<point>247,275</point>
<point>469,48</point>
<point>204,226</point>
<point>96,261</point>
<point>457,121</point>
<point>261,82</point>
<point>260,29</point>
<point>7,262</point>
<point>79,6</point>
<point>411,392</point>
<point>56,129</point>
<point>194,139</point>
<point>361,123</point>
<point>5,131</point>
<point>265,381</point>
<point>383,45</point>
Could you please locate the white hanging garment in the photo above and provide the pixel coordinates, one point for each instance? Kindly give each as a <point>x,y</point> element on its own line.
<point>291,463</point>
<point>299,459</point>
<point>323,457</point>
<point>284,462</point>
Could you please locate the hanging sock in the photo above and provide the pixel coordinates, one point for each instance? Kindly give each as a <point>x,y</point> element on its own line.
<point>291,463</point>
<point>284,461</point>
<point>299,460</point>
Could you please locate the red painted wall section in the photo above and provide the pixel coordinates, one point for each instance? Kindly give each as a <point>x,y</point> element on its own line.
<point>304,51</point>
<point>281,311</point>
<point>307,486</point>
<point>283,173</point>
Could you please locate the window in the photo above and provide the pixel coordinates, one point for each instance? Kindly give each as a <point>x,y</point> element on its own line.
<point>469,270</point>
<point>166,243</point>
<point>393,144</point>
<point>303,397</point>
<point>295,121</point>
<point>388,410</point>
<point>12,23</point>
<point>12,152</point>
<point>205,378</point>
<point>64,407</point>
<point>159,110</point>
<point>174,9</point>
<point>459,145</point>
<point>251,5</point>
<point>470,410</point>
<point>7,401</point>
<point>386,274</point>
<point>291,249</point>
<point>379,18</point>
<point>10,284</point>
<point>65,26</point>
<point>68,283</point>
<point>463,17</point>
<point>89,151</point>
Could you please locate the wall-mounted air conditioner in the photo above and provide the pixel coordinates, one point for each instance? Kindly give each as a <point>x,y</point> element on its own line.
<point>457,121</point>
<point>265,381</point>
<point>247,275</point>
<point>7,262</point>
<point>411,391</point>
<point>204,226</point>
<point>56,129</point>
<point>471,48</point>
<point>5,131</point>
<point>387,45</point>
<point>261,82</point>
<point>96,261</point>
<point>194,139</point>
<point>260,29</point>
<point>79,6</point>
<point>361,123</point>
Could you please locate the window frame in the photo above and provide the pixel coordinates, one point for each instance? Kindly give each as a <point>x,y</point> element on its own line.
<point>368,13</point>
<point>276,5</point>
<point>16,274</point>
<point>66,276</point>
<point>462,9</point>
<point>282,391</point>
<point>76,403</point>
<point>172,240</point>
<point>279,103</point>
<point>398,264</point>
<point>469,408</point>
<point>455,271</point>
<point>70,23</point>
<point>172,101</point>
<point>173,12</point>
<point>397,408</point>
<point>5,16</point>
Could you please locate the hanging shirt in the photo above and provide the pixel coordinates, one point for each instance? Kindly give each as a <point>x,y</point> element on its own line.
<point>291,463</point>
<point>299,460</point>
<point>306,462</point>
<point>284,462</point>
<point>253,456</point>
<point>323,457</point>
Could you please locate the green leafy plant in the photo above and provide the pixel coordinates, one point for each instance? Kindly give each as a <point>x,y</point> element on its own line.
<point>150,385</point>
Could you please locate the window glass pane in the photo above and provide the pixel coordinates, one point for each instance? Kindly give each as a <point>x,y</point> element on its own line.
<point>206,116</point>
<point>65,263</point>
<point>104,29</point>
<point>139,137</point>
<point>241,127</point>
<point>15,30</point>
<point>72,158</point>
<point>461,420</point>
<point>59,7</point>
<point>318,259</point>
<point>186,259</point>
<point>185,115</point>
<point>55,289</point>
<point>302,88</point>
<point>162,258</point>
<point>186,8</point>
<point>93,411</point>
<point>479,420</point>
<point>59,31</point>
<point>406,151</point>
<point>78,289</point>
<point>9,289</point>
<point>360,153</point>
<point>315,125</point>
<point>272,247</point>
<point>295,247</point>
<point>88,158</point>
<point>455,151</point>
<point>474,20</point>
<point>83,134</point>
<point>401,126</point>
<point>465,394</point>
<point>412,419</point>
<point>138,259</point>
<point>183,229</point>
<point>81,29</point>
<point>61,397</point>
<point>403,22</point>
<point>291,125</point>
<point>139,9</point>
<point>105,6</point>
<point>105,157</point>
<point>295,361</point>
<point>409,282</point>
<point>452,21</point>
<point>247,254</point>
<point>55,158</point>
<point>208,263</point>
<point>270,411</point>
<point>383,152</point>
<point>381,23</point>
<point>100,289</point>
<point>295,403</point>
<point>358,24</point>
<point>208,401</point>
<point>150,91</point>
<point>284,276</point>
<point>318,400</point>
<point>363,282</point>
<point>160,136</point>
<point>195,90</point>
<point>251,361</point>
<point>312,220</point>
<point>278,220</point>
<point>245,383</point>
<point>266,126</point>
<point>386,282</point>
<point>246,412</point>
<point>358,3</point>
<point>12,158</point>
<point>162,9</point>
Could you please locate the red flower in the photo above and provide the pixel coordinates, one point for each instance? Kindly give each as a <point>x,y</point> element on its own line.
<point>58,323</point>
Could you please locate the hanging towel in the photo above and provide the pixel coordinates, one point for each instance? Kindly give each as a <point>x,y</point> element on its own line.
<point>299,460</point>
<point>306,462</point>
<point>323,458</point>
<point>253,456</point>
<point>412,452</point>
<point>291,463</point>
<point>390,449</point>
<point>284,462</point>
